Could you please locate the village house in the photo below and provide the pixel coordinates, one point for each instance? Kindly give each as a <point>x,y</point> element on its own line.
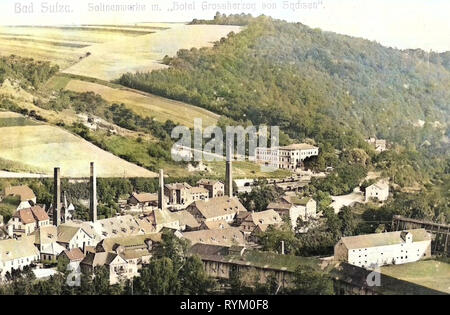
<point>295,208</point>
<point>74,257</point>
<point>24,193</point>
<point>15,254</point>
<point>378,191</point>
<point>136,250</point>
<point>73,237</point>
<point>217,209</point>
<point>164,219</point>
<point>372,250</point>
<point>186,220</point>
<point>261,219</point>
<point>214,187</point>
<point>181,195</point>
<point>26,221</point>
<point>143,200</point>
<point>119,269</point>
<point>46,240</point>
<point>214,225</point>
<point>222,237</point>
<point>288,157</point>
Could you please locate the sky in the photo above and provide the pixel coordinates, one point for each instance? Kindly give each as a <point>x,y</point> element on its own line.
<point>394,23</point>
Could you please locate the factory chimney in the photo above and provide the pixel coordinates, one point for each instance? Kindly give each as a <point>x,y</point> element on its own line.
<point>57,197</point>
<point>229,172</point>
<point>161,204</point>
<point>93,195</point>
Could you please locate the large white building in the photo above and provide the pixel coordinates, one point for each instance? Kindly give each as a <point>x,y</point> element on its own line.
<point>393,248</point>
<point>288,157</point>
<point>17,254</point>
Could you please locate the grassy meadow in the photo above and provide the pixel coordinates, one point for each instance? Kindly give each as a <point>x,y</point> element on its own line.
<point>44,147</point>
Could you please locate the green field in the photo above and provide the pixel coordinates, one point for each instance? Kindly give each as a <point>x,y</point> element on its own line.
<point>16,122</point>
<point>245,169</point>
<point>431,274</point>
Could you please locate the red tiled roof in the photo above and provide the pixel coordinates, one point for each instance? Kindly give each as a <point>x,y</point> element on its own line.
<point>25,216</point>
<point>31,215</point>
<point>39,213</point>
<point>75,254</point>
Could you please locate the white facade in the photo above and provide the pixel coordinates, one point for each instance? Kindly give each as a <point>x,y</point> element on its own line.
<point>17,254</point>
<point>78,240</point>
<point>388,248</point>
<point>288,157</point>
<point>378,191</point>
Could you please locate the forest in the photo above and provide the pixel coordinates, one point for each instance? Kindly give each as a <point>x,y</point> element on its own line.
<point>29,72</point>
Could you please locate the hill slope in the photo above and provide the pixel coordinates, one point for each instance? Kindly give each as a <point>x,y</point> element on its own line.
<point>43,147</point>
<point>314,84</point>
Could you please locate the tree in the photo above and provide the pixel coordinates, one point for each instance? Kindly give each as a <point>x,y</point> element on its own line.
<point>308,281</point>
<point>260,196</point>
<point>193,278</point>
<point>348,223</point>
<point>159,278</point>
<point>101,280</point>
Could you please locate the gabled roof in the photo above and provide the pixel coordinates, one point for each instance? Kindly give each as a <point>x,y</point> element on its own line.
<point>108,244</point>
<point>67,232</point>
<point>176,186</point>
<point>208,182</point>
<point>74,254</point>
<point>46,235</point>
<point>216,225</point>
<point>219,206</point>
<point>279,206</point>
<point>145,197</point>
<point>101,259</point>
<point>25,216</point>
<point>24,192</point>
<point>162,217</point>
<point>383,239</point>
<point>186,218</point>
<point>134,253</point>
<point>224,237</point>
<point>198,190</point>
<point>265,217</point>
<point>39,213</point>
<point>52,249</point>
<point>117,226</point>
<point>380,185</point>
<point>15,249</point>
<point>31,215</point>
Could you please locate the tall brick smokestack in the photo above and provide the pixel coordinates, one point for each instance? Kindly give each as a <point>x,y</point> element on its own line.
<point>57,197</point>
<point>161,204</point>
<point>93,195</point>
<point>229,172</point>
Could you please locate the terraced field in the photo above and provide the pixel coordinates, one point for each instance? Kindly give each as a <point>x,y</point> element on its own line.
<point>107,51</point>
<point>148,105</point>
<point>144,53</point>
<point>97,53</point>
<point>43,147</point>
